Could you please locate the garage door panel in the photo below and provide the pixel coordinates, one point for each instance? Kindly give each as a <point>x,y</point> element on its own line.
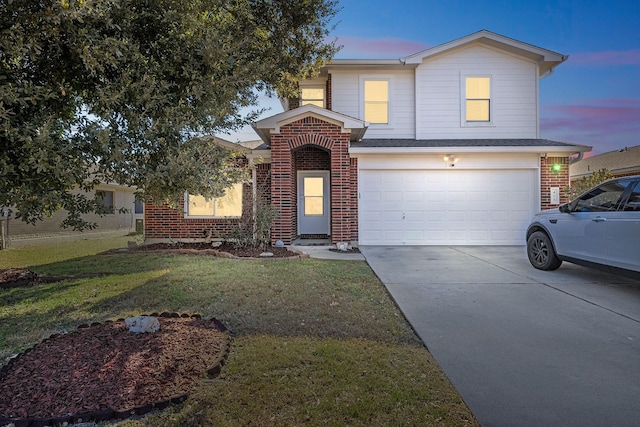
<point>445,207</point>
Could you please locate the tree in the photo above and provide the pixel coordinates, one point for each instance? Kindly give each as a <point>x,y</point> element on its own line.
<point>585,183</point>
<point>123,90</point>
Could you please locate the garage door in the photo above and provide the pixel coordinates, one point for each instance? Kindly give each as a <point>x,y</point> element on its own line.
<point>472,207</point>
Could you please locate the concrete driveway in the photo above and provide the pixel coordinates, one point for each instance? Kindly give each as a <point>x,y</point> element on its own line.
<point>522,346</point>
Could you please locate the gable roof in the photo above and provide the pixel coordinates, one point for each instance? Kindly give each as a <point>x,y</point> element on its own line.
<point>232,146</point>
<point>626,160</point>
<point>372,146</point>
<point>265,127</point>
<point>547,60</point>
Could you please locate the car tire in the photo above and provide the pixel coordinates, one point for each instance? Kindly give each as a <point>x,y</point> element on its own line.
<point>541,253</point>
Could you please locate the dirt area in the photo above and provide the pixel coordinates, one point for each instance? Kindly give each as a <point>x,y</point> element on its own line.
<point>14,277</point>
<point>103,371</point>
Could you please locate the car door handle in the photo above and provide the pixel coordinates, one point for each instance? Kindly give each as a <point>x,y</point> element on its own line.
<point>599,219</point>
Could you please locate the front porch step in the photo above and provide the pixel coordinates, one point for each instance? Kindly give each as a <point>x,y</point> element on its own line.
<point>311,242</point>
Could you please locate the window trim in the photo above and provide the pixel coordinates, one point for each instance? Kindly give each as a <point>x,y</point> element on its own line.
<point>188,215</point>
<point>463,101</point>
<point>390,100</point>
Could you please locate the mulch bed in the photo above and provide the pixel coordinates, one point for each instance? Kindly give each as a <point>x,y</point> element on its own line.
<point>226,250</point>
<point>15,277</point>
<point>103,371</point>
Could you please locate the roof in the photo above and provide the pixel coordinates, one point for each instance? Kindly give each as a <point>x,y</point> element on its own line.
<point>459,145</point>
<point>547,60</point>
<point>626,160</point>
<point>265,127</point>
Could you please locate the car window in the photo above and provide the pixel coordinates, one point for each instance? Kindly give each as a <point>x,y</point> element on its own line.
<point>603,198</point>
<point>633,204</point>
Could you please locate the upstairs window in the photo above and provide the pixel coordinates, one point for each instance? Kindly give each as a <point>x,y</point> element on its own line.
<point>312,95</point>
<point>376,101</point>
<point>227,206</point>
<point>478,99</point>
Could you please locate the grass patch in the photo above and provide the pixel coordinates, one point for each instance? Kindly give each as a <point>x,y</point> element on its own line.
<point>316,342</point>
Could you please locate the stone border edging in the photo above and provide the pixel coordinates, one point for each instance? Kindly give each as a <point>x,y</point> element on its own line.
<point>213,252</point>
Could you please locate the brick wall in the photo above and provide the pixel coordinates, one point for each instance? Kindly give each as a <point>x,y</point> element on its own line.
<point>310,135</point>
<point>165,223</point>
<point>549,178</point>
<point>311,158</point>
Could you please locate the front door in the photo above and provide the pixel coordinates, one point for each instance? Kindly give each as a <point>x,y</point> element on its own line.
<point>313,202</point>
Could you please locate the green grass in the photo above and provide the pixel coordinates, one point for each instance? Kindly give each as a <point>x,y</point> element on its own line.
<point>315,342</point>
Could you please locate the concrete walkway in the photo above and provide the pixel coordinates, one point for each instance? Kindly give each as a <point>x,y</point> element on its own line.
<point>522,346</point>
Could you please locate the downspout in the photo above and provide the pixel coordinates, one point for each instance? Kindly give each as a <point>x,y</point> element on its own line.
<point>552,69</point>
<point>254,195</point>
<point>572,160</point>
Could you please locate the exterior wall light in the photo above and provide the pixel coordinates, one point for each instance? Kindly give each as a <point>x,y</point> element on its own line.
<point>450,159</point>
<point>556,168</point>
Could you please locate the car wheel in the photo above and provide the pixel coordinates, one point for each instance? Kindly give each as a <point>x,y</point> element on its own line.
<point>541,253</point>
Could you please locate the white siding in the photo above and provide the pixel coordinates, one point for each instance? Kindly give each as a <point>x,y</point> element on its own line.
<point>514,95</point>
<point>347,99</point>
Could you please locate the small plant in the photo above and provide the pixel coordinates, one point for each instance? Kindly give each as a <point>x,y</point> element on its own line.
<point>583,184</point>
<point>254,231</point>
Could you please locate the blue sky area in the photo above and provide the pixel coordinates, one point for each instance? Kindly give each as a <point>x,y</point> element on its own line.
<point>592,99</point>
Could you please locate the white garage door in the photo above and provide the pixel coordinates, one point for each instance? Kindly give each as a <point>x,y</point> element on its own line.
<point>462,207</point>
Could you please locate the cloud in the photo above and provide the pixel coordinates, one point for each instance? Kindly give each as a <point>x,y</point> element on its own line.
<point>359,47</point>
<point>605,124</point>
<point>606,58</point>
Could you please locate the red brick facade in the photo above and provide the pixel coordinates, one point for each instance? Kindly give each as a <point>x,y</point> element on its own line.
<point>550,178</point>
<point>307,144</point>
<point>165,223</point>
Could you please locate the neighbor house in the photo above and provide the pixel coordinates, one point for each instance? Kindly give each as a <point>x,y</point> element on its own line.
<point>123,215</point>
<point>440,147</point>
<point>623,162</point>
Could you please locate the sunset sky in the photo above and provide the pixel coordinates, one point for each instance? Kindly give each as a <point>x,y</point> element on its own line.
<point>591,99</point>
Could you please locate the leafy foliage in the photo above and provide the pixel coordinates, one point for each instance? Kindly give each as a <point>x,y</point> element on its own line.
<point>123,90</point>
<point>583,184</point>
<point>255,231</point>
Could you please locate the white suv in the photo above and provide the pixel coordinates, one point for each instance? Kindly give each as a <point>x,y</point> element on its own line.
<point>600,229</point>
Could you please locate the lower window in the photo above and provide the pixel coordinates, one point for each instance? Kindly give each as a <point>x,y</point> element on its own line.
<point>229,205</point>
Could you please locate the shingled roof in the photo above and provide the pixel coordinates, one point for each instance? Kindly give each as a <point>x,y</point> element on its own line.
<point>468,145</point>
<point>619,162</point>
<point>448,143</point>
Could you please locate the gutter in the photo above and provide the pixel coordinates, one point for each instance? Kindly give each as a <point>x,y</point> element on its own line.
<point>552,69</point>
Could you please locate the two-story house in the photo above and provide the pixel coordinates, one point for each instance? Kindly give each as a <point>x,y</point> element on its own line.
<point>440,147</point>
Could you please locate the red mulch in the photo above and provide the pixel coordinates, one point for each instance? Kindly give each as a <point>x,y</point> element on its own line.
<point>104,371</point>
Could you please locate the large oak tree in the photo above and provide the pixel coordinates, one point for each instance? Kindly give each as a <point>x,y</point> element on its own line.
<point>121,90</point>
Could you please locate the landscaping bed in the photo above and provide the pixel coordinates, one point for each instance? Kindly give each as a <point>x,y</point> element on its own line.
<point>103,371</point>
<point>225,249</point>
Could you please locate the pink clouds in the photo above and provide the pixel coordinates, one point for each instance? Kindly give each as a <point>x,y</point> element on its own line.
<point>602,123</point>
<point>358,47</point>
<point>606,58</point>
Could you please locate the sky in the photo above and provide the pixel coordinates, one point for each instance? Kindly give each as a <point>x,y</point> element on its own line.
<point>591,99</point>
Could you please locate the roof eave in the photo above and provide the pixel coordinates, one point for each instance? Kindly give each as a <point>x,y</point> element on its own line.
<point>266,127</point>
<point>547,59</point>
<point>454,150</point>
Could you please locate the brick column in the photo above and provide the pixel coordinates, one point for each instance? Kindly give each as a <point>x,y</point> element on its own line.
<point>311,131</point>
<point>550,178</point>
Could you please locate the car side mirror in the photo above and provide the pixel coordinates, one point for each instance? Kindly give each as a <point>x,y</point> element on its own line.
<point>566,208</point>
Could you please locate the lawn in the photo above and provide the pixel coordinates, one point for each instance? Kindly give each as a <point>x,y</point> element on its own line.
<point>315,342</point>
